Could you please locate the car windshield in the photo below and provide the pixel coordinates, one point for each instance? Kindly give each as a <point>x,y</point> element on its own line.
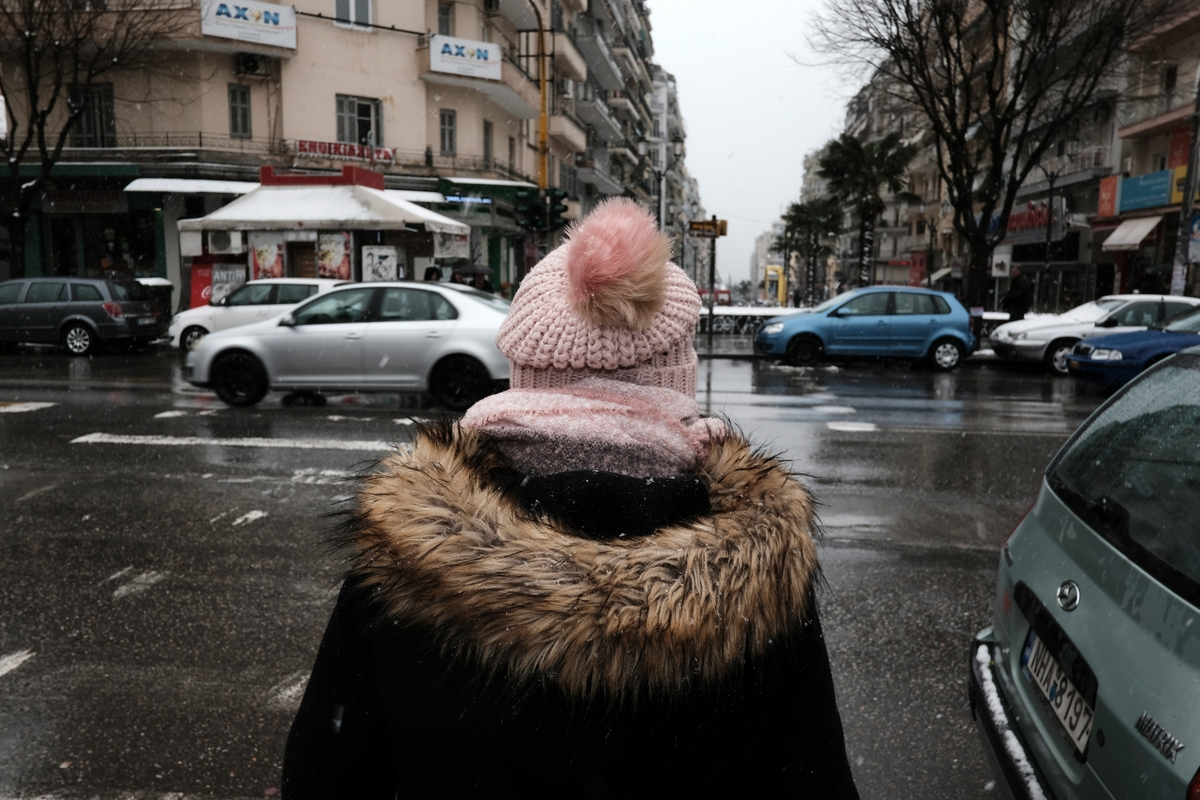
<point>1185,323</point>
<point>831,302</point>
<point>1133,474</point>
<point>1090,312</point>
<point>129,291</point>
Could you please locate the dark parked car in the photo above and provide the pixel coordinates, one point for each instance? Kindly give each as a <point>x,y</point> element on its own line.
<point>77,313</point>
<point>1118,359</point>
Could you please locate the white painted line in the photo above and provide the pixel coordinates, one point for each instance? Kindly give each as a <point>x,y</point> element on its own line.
<point>852,427</point>
<point>250,441</point>
<point>169,414</point>
<point>13,660</point>
<point>17,408</point>
<point>340,418</point>
<point>36,492</point>
<point>325,476</point>
<point>834,409</point>
<point>249,516</point>
<point>139,584</point>
<point>121,573</point>
<point>288,692</point>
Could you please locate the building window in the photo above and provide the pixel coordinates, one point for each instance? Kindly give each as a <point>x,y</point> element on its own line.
<point>487,142</point>
<point>446,19</point>
<point>97,125</point>
<point>353,12</point>
<point>359,120</point>
<point>239,111</point>
<point>566,179</point>
<point>448,131</point>
<point>556,15</point>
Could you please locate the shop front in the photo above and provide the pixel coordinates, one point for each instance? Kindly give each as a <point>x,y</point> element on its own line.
<point>345,227</point>
<point>497,241</point>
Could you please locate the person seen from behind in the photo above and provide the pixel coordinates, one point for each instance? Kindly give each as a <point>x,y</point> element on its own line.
<point>584,588</point>
<point>1019,298</point>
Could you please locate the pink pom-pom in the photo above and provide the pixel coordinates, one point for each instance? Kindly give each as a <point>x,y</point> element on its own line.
<point>616,265</point>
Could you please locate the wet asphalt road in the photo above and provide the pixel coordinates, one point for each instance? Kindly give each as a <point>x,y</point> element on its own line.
<point>163,586</point>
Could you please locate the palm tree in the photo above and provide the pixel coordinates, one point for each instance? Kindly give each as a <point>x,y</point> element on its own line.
<point>856,172</point>
<point>808,223</point>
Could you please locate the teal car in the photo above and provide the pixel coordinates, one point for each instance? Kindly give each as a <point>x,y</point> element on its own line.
<point>878,321</point>
<point>1087,683</point>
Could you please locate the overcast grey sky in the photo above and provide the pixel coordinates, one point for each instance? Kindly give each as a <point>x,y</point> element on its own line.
<point>751,111</point>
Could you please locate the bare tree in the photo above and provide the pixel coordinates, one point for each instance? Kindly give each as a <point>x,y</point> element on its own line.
<point>53,53</point>
<point>998,82</point>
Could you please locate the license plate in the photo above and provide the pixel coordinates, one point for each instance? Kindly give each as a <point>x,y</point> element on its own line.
<point>1069,706</point>
<point>1073,363</point>
<point>145,321</point>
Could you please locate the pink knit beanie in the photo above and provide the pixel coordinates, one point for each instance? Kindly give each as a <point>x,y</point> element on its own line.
<point>608,303</point>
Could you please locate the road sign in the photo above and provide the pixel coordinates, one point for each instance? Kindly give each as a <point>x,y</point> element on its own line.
<point>707,228</point>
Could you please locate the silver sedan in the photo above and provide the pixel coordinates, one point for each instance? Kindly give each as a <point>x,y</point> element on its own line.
<point>401,336</point>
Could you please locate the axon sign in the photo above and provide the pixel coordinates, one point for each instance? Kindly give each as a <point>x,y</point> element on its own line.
<point>249,21</point>
<point>464,57</point>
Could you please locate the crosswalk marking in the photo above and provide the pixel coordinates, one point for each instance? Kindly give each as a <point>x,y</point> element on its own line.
<point>248,441</point>
<point>17,408</point>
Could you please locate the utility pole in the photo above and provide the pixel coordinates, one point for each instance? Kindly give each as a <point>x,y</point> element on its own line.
<point>1184,237</point>
<point>712,283</point>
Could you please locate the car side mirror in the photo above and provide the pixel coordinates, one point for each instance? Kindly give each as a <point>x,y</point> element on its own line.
<point>287,321</point>
<point>1111,322</point>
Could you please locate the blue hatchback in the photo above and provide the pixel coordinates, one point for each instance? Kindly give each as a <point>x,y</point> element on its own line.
<point>1115,360</point>
<point>890,321</point>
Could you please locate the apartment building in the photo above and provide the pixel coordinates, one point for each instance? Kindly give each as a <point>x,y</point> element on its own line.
<point>442,98</point>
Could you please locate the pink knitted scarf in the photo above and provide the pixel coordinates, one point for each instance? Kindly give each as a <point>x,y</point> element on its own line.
<point>597,423</point>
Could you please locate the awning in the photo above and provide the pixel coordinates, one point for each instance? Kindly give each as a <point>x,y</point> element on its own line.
<point>491,182</point>
<point>288,208</point>
<point>416,197</point>
<point>190,186</point>
<point>1129,234</point>
<point>941,273</point>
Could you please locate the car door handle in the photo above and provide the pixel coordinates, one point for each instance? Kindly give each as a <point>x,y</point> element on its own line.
<point>433,335</point>
<point>353,335</point>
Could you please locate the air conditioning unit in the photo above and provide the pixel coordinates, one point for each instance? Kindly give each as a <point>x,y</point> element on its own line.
<point>491,6</point>
<point>252,65</point>
<point>225,242</point>
<point>566,89</point>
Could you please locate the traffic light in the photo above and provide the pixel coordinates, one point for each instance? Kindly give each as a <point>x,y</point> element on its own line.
<point>556,206</point>
<point>528,210</point>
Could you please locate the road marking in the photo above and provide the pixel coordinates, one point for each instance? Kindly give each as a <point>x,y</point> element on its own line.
<point>325,476</point>
<point>852,427</point>
<point>340,418</point>
<point>139,584</point>
<point>169,414</point>
<point>36,492</point>
<point>17,408</point>
<point>250,441</point>
<point>13,660</point>
<point>249,516</point>
<point>288,692</point>
<point>118,574</point>
<point>835,409</point>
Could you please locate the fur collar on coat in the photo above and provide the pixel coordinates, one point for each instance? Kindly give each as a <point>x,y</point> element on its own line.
<point>439,545</point>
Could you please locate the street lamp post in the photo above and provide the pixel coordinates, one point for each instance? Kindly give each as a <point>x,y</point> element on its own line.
<point>661,175</point>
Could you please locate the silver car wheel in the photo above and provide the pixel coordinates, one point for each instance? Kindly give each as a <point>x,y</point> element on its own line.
<point>190,337</point>
<point>1058,357</point>
<point>78,340</point>
<point>946,354</point>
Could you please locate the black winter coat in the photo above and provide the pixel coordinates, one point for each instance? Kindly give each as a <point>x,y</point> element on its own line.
<point>580,635</point>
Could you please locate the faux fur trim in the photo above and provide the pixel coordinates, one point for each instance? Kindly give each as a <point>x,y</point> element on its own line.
<point>439,546</point>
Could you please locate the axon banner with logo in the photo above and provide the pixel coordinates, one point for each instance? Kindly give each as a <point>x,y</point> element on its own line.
<point>464,57</point>
<point>249,21</point>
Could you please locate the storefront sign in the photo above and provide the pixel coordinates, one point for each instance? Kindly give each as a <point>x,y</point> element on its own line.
<point>464,57</point>
<point>343,151</point>
<point>201,285</point>
<point>266,254</point>
<point>1181,144</point>
<point>467,199</point>
<point>226,278</point>
<point>381,264</point>
<point>1146,191</point>
<point>1110,196</point>
<point>85,201</point>
<point>1178,183</point>
<point>249,21</point>
<point>333,255</point>
<point>451,245</point>
<point>1028,225</point>
<point>1001,261</point>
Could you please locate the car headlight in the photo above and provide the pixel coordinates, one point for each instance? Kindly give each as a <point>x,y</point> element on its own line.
<point>1106,355</point>
<point>772,329</point>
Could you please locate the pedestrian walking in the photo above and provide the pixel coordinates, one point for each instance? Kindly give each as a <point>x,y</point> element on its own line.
<point>432,274</point>
<point>585,588</point>
<point>1019,298</point>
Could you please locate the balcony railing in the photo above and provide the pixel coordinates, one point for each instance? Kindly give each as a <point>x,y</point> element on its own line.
<point>1133,110</point>
<point>176,141</point>
<point>458,164</point>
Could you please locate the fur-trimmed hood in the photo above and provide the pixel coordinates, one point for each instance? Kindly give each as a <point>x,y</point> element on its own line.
<point>441,547</point>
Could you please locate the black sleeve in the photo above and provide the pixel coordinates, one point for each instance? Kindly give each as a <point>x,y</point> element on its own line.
<point>338,745</point>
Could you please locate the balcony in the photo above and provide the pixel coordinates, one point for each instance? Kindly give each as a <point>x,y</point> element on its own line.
<point>475,166</point>
<point>568,133</point>
<point>567,60</point>
<point>516,92</point>
<point>594,111</point>
<point>1148,115</point>
<point>596,169</point>
<point>160,146</point>
<point>602,65</point>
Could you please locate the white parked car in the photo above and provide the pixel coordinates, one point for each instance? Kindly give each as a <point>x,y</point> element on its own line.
<point>254,302</point>
<point>383,337</point>
<point>1049,339</point>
